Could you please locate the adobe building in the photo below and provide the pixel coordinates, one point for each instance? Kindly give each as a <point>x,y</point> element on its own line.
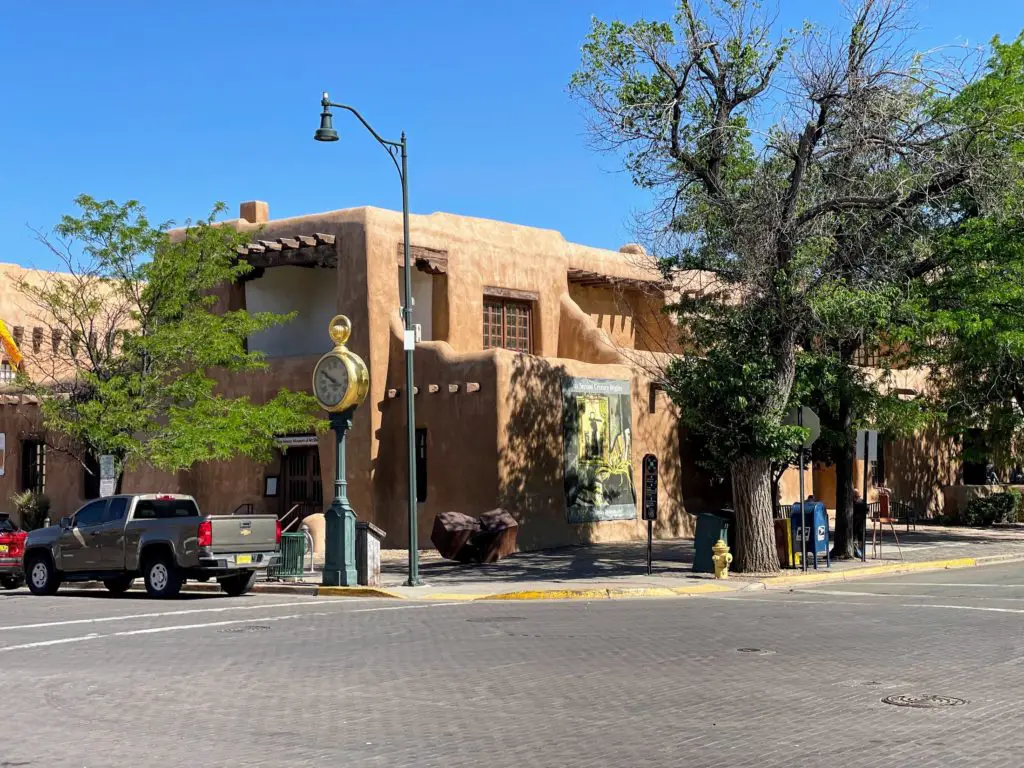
<point>535,380</point>
<point>536,383</point>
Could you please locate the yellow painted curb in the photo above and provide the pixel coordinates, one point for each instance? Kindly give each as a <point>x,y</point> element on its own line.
<point>356,592</point>
<point>582,594</point>
<point>888,569</point>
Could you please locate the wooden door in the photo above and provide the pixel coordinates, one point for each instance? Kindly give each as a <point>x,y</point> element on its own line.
<point>300,481</point>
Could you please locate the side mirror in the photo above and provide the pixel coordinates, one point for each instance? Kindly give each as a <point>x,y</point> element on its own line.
<point>65,523</point>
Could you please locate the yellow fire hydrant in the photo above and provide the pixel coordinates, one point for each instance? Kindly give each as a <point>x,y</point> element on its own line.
<point>721,558</point>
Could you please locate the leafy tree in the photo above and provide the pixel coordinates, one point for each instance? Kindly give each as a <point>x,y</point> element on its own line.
<point>136,343</point>
<point>971,327</point>
<point>782,165</point>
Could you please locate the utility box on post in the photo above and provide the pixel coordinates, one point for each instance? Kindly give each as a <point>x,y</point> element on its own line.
<point>817,541</point>
<point>368,539</point>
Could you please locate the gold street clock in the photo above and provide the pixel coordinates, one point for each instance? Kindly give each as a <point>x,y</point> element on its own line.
<point>340,378</point>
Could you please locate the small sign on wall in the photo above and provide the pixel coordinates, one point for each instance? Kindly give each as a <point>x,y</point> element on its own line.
<point>108,477</point>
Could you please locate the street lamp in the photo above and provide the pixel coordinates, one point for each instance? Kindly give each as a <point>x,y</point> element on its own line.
<point>399,156</point>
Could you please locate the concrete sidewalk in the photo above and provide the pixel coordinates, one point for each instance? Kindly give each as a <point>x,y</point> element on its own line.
<point>597,571</point>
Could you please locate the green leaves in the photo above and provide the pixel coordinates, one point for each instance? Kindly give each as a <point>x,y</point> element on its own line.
<point>142,343</point>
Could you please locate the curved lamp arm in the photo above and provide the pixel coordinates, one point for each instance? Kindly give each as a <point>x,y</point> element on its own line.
<point>393,148</point>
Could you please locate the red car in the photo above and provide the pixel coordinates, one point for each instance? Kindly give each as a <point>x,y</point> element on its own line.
<point>12,549</point>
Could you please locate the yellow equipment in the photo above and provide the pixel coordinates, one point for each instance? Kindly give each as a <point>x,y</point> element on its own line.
<point>10,348</point>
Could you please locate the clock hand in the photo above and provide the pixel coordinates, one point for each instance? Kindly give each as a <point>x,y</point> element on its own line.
<point>336,381</point>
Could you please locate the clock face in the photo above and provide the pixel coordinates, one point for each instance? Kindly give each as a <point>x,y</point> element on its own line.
<point>330,381</point>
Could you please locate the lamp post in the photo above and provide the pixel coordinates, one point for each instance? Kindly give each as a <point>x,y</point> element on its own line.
<point>397,150</point>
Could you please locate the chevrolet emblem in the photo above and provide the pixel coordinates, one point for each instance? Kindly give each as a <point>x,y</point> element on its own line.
<point>246,531</point>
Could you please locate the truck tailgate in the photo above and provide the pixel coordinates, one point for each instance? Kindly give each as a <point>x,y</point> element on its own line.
<point>244,533</point>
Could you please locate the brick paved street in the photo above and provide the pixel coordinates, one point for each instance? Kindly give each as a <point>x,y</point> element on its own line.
<point>272,681</point>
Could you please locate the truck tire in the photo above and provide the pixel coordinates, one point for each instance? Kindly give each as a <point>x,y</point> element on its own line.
<point>118,585</point>
<point>12,582</point>
<point>162,577</point>
<point>42,575</point>
<point>238,584</point>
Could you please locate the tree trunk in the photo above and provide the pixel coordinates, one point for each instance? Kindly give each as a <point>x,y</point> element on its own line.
<point>755,531</point>
<point>846,537</point>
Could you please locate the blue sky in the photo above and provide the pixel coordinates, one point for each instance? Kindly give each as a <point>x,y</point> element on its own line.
<point>181,104</point>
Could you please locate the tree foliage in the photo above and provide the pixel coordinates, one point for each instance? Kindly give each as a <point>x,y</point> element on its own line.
<point>795,176</point>
<point>970,330</point>
<point>136,343</point>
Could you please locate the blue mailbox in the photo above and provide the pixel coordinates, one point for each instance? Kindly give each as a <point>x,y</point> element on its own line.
<point>817,530</point>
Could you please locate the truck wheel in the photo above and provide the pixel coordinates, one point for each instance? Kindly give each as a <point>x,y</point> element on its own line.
<point>43,577</point>
<point>238,584</point>
<point>118,585</point>
<point>12,582</point>
<point>162,577</point>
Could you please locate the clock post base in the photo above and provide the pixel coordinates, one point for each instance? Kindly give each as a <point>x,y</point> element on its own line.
<point>340,556</point>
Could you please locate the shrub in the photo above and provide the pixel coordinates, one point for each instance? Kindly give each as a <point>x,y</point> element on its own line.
<point>33,509</point>
<point>997,508</point>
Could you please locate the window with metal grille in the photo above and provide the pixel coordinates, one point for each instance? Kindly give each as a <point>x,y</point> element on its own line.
<point>33,466</point>
<point>37,339</point>
<point>878,466</point>
<point>7,373</point>
<point>508,325</point>
<point>869,356</point>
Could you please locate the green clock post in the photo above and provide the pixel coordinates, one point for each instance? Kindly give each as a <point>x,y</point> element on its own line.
<point>340,383</point>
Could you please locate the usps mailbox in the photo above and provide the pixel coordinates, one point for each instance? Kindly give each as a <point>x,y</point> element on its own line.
<point>817,542</point>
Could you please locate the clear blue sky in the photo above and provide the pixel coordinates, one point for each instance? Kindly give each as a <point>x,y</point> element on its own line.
<point>180,104</point>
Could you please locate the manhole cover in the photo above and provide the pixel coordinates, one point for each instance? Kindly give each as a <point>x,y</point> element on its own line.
<point>926,701</point>
<point>755,651</point>
<point>495,619</point>
<point>247,628</point>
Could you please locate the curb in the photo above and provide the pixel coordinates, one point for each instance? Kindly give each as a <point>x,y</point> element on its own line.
<point>622,593</point>
<point>309,590</point>
<point>608,593</point>
<point>889,569</point>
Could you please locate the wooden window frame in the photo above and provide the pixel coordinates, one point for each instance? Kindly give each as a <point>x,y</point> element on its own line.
<point>503,301</point>
<point>33,468</point>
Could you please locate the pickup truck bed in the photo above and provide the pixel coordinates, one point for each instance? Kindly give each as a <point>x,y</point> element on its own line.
<point>161,537</point>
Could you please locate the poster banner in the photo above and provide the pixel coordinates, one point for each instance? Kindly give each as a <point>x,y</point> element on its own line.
<point>3,453</point>
<point>598,450</point>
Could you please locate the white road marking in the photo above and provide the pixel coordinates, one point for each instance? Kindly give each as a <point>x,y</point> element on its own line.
<point>164,614</point>
<point>777,601</point>
<point>843,593</point>
<point>154,630</point>
<point>206,625</point>
<point>965,608</point>
<point>902,583</point>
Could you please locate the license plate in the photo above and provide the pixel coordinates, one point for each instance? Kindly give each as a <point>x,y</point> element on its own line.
<point>3,549</point>
<point>243,559</point>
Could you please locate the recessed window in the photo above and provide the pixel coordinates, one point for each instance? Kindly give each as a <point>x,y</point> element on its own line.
<point>33,466</point>
<point>7,373</point>
<point>508,324</point>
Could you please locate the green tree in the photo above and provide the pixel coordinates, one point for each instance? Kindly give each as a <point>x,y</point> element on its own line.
<point>971,328</point>
<point>782,165</point>
<point>136,343</point>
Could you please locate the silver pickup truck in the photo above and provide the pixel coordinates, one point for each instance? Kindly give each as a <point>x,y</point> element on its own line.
<point>161,537</point>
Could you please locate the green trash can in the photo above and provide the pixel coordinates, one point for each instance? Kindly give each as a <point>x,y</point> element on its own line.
<point>293,555</point>
<point>709,529</point>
